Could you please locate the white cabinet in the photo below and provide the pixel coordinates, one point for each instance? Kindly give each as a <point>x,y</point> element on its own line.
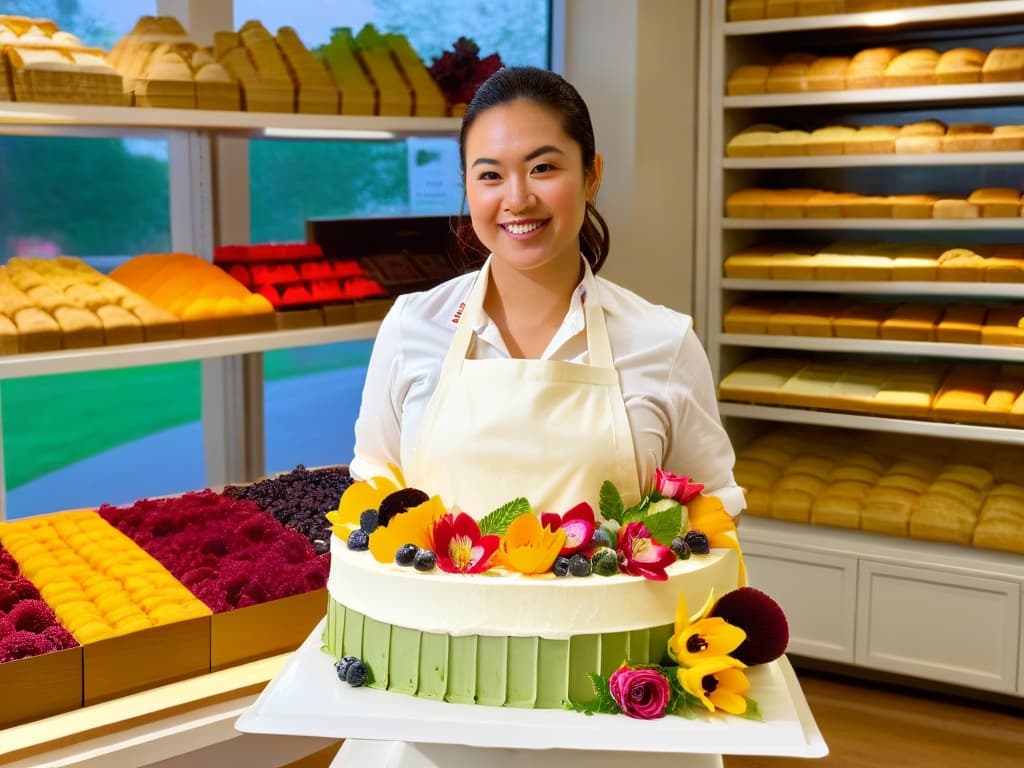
<point>939,625</point>
<point>817,592</point>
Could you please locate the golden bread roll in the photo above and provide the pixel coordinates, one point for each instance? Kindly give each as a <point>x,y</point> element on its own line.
<point>827,73</point>
<point>938,517</point>
<point>748,79</point>
<point>1001,534</point>
<point>8,336</point>
<point>836,510</point>
<point>960,65</point>
<point>809,464</point>
<point>37,330</point>
<point>908,483</point>
<point>913,67</point>
<point>830,140</point>
<point>1008,138</point>
<point>759,502</point>
<point>791,505</point>
<point>1003,65</point>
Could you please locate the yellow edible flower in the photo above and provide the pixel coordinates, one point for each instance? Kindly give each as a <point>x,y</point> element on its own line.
<point>414,526</point>
<point>360,496</point>
<point>719,683</point>
<point>528,547</point>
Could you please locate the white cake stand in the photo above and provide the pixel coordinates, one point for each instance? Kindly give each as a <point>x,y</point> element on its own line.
<point>395,731</point>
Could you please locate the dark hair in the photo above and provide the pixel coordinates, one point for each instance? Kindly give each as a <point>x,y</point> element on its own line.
<point>554,92</point>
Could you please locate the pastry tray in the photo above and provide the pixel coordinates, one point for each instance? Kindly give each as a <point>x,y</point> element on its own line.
<point>306,699</point>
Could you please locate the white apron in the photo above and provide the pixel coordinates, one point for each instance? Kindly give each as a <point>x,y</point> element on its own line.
<point>549,430</point>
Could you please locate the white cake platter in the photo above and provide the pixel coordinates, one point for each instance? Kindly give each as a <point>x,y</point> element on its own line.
<point>307,699</point>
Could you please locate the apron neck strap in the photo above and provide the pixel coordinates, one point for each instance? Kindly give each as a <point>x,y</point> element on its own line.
<point>598,343</point>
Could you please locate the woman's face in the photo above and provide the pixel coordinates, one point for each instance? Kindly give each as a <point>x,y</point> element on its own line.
<point>526,186</point>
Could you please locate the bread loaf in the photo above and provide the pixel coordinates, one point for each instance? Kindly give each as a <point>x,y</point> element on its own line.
<point>996,202</point>
<point>867,67</point>
<point>789,74</point>
<point>913,67</point>
<point>748,79</point>
<point>827,73</point>
<point>1003,65</point>
<point>960,65</point>
<point>968,137</point>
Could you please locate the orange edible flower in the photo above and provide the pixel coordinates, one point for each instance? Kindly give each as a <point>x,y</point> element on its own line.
<point>414,526</point>
<point>529,547</point>
<point>360,496</point>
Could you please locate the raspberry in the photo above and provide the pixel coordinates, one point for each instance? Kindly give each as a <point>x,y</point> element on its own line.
<point>406,554</point>
<point>680,547</point>
<point>579,565</point>
<point>697,541</point>
<point>359,541</point>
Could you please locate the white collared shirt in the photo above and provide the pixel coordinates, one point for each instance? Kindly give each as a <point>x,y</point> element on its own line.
<point>663,370</point>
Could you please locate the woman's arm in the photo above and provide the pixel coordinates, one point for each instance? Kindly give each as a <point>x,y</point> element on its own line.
<point>698,444</point>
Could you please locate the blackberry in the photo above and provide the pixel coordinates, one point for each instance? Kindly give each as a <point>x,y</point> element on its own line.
<point>342,665</point>
<point>601,538</point>
<point>406,554</point>
<point>680,547</point>
<point>561,566</point>
<point>359,541</point>
<point>399,501</point>
<point>356,673</point>
<point>368,520</point>
<point>698,542</point>
<point>604,562</point>
<point>579,565</point>
<point>424,560</point>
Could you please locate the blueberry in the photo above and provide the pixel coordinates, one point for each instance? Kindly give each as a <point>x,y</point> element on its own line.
<point>406,554</point>
<point>356,673</point>
<point>601,538</point>
<point>680,547</point>
<point>368,520</point>
<point>342,666</point>
<point>561,566</point>
<point>698,542</point>
<point>424,560</point>
<point>579,565</point>
<point>604,562</point>
<point>359,541</point>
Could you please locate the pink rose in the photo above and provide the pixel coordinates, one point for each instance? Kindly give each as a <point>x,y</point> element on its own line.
<point>642,693</point>
<point>676,487</point>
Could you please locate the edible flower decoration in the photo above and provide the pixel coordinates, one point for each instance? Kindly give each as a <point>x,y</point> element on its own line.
<point>530,547</point>
<point>672,486</point>
<point>578,523</point>
<point>366,494</point>
<point>640,555</point>
<point>414,526</point>
<point>702,672</point>
<point>459,545</point>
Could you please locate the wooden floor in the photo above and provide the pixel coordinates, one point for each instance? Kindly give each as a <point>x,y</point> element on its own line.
<point>873,725</point>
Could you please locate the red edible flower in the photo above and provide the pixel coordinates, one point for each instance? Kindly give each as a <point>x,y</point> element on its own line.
<point>460,547</point>
<point>640,555</point>
<point>578,524</point>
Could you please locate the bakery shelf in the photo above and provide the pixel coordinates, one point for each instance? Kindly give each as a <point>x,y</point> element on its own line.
<point>158,352</point>
<point>70,119</point>
<point>991,11</point>
<point>889,288</point>
<point>896,159</point>
<point>1005,435</point>
<point>909,225</point>
<point>969,93</point>
<point>876,346</point>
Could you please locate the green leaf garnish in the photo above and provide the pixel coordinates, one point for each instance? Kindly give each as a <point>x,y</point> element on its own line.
<point>498,521</point>
<point>637,512</point>
<point>610,502</point>
<point>665,525</point>
<point>753,711</point>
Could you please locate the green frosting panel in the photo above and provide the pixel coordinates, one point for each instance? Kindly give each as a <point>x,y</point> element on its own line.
<point>433,666</point>
<point>462,653</point>
<point>404,663</point>
<point>526,672</point>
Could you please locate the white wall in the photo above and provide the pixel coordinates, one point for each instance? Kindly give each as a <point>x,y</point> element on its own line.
<point>635,63</point>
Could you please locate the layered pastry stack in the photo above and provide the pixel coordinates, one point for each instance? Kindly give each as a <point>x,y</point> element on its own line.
<point>884,67</point>
<point>886,484</point>
<point>767,140</point>
<point>206,300</point>
<point>959,393</point>
<point>842,317</point>
<point>854,260</point>
<point>43,63</point>
<point>305,287</point>
<point>799,203</point>
<point>252,57</point>
<point>49,304</point>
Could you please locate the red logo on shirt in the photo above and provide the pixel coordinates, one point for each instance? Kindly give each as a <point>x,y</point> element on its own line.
<point>458,313</point>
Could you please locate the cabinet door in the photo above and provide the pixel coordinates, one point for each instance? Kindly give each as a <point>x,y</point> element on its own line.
<point>817,593</point>
<point>940,625</point>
